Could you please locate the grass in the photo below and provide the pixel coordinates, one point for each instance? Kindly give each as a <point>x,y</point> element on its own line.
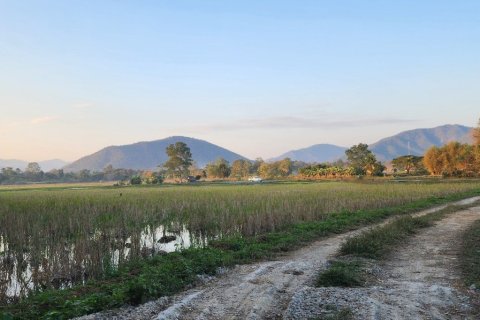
<point>379,242</point>
<point>470,256</point>
<point>342,274</point>
<point>288,215</point>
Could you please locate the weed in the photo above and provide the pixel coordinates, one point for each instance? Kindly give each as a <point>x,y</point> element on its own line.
<point>470,256</point>
<point>242,224</point>
<point>342,274</point>
<point>378,241</point>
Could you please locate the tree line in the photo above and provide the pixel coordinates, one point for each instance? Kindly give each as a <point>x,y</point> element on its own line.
<point>455,159</point>
<point>451,160</point>
<point>360,161</point>
<point>34,174</point>
<point>180,167</point>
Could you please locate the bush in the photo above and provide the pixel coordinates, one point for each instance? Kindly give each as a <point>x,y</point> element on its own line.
<point>135,180</point>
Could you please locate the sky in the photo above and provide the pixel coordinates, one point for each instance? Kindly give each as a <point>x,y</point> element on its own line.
<point>257,77</point>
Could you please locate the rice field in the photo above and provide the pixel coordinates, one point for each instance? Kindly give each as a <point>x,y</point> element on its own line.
<point>57,237</point>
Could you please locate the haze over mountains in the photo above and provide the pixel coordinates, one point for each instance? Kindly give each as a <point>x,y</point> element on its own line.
<point>414,142</point>
<point>317,153</point>
<point>46,165</point>
<point>148,155</point>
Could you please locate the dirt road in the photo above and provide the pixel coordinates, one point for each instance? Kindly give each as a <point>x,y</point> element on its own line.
<point>417,283</point>
<point>421,280</point>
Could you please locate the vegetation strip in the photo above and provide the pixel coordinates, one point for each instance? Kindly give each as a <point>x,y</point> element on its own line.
<point>378,242</point>
<point>470,256</point>
<point>342,274</point>
<point>162,275</point>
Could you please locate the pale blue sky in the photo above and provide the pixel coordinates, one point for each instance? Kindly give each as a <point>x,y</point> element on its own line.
<point>257,77</point>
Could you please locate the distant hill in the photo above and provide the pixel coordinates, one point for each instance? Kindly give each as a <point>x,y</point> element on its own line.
<point>13,163</point>
<point>46,165</point>
<point>416,142</point>
<point>315,153</point>
<point>150,154</point>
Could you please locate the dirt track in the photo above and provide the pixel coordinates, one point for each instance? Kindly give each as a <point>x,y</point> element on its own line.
<point>417,283</point>
<point>420,280</point>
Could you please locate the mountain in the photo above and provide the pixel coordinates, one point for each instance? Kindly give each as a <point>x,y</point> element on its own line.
<point>416,142</point>
<point>150,154</point>
<point>46,165</point>
<point>13,163</point>
<point>315,153</point>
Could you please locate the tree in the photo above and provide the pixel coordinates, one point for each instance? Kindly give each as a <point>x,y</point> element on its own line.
<point>150,177</point>
<point>266,170</point>
<point>135,180</point>
<point>240,168</point>
<point>218,169</point>
<point>476,135</point>
<point>197,172</point>
<point>452,160</point>
<point>284,167</point>
<point>9,173</point>
<point>433,160</point>
<point>256,165</point>
<point>363,161</point>
<point>33,171</point>
<point>408,164</point>
<point>179,160</point>
<point>476,145</point>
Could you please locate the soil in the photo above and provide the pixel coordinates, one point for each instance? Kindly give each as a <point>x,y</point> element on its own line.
<point>420,280</point>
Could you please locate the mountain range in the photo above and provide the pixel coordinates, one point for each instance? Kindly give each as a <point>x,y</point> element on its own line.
<point>46,165</point>
<point>414,142</point>
<point>150,154</point>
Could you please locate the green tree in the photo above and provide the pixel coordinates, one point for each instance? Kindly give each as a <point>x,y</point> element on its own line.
<point>363,161</point>
<point>33,171</point>
<point>135,180</point>
<point>179,160</point>
<point>408,164</point>
<point>218,169</point>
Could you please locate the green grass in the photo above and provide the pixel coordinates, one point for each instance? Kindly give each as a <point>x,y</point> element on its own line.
<point>470,256</point>
<point>342,274</point>
<point>292,215</point>
<point>380,241</point>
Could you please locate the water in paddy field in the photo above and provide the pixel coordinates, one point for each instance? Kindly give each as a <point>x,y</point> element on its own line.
<point>61,265</point>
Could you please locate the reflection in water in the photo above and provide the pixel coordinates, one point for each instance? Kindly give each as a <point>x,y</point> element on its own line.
<point>66,263</point>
